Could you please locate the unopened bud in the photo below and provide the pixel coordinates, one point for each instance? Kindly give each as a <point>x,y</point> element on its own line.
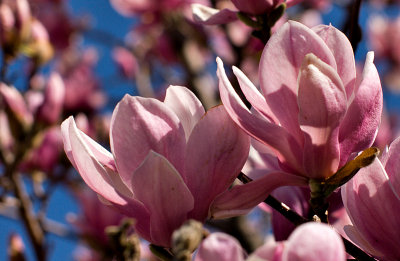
<point>38,47</point>
<point>16,248</point>
<point>186,239</point>
<point>51,109</point>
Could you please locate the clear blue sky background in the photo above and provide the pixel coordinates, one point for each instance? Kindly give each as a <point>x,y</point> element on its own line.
<point>106,19</point>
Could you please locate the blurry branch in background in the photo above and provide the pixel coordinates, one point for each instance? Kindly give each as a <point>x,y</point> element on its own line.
<point>352,27</point>
<point>9,209</point>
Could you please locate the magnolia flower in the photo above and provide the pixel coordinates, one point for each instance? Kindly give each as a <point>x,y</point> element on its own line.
<point>46,156</point>
<point>310,111</point>
<point>125,61</point>
<point>383,37</point>
<point>169,160</point>
<point>372,200</point>
<point>82,88</point>
<point>53,100</point>
<point>309,242</point>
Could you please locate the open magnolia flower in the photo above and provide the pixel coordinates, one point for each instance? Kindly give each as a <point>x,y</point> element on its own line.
<point>169,160</point>
<point>311,111</point>
<point>372,200</point>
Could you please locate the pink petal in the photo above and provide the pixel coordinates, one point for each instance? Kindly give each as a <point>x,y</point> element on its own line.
<point>185,105</point>
<point>371,203</point>
<point>314,242</point>
<point>358,239</point>
<point>279,68</point>
<point>287,149</point>
<point>360,125</point>
<point>217,150</point>
<point>103,156</point>
<point>52,106</point>
<point>221,247</point>
<point>94,173</point>
<point>139,125</point>
<point>391,163</point>
<point>209,16</point>
<point>158,185</point>
<point>322,104</point>
<point>343,53</point>
<point>254,96</point>
<point>242,198</point>
<point>85,162</point>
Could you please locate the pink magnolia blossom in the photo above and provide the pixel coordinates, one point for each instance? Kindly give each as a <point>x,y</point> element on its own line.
<point>309,242</point>
<point>383,35</point>
<point>220,246</point>
<point>169,160</point>
<point>372,200</point>
<point>82,88</point>
<point>125,61</point>
<point>58,23</point>
<point>16,247</point>
<point>53,100</point>
<point>309,112</point>
<point>46,155</point>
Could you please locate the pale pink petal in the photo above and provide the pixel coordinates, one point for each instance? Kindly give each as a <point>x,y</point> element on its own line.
<point>391,163</point>
<point>358,239</point>
<point>217,150</point>
<point>322,105</point>
<point>360,125</point>
<point>95,174</point>
<point>103,156</point>
<point>158,185</point>
<point>254,96</point>
<point>279,68</point>
<point>371,203</point>
<point>314,242</point>
<point>52,106</point>
<point>209,16</point>
<point>85,162</point>
<point>186,106</point>
<point>221,247</point>
<point>287,149</point>
<point>343,53</point>
<point>242,198</point>
<point>139,125</point>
